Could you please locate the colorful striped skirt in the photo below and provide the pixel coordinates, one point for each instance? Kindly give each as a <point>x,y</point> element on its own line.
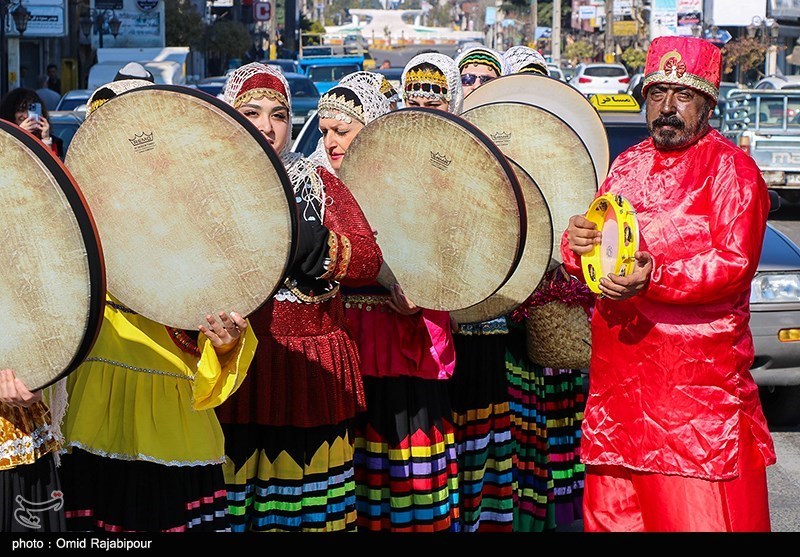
<point>290,479</point>
<point>481,414</point>
<point>405,457</point>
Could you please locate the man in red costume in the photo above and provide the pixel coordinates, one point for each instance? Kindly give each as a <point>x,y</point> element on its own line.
<point>674,437</point>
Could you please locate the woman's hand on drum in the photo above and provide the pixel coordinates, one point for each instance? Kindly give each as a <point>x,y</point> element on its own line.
<point>400,303</point>
<point>582,235</point>
<point>224,332</point>
<point>615,287</point>
<point>14,392</point>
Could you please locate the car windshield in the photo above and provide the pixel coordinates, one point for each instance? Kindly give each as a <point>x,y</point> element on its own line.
<point>302,88</point>
<point>604,71</point>
<point>331,73</point>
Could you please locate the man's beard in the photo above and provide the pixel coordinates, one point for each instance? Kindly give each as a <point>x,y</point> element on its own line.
<point>680,135</point>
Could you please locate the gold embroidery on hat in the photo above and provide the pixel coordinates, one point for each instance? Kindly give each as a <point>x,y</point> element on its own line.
<point>668,59</point>
<point>332,104</point>
<point>427,76</point>
<point>260,93</point>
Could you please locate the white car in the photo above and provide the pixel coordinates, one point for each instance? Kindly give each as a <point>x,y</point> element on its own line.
<point>594,78</point>
<point>556,72</point>
<point>779,82</point>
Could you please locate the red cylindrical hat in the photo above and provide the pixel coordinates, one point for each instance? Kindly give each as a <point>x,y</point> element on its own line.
<point>688,61</point>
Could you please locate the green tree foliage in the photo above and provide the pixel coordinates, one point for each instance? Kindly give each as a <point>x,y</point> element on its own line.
<point>634,57</point>
<point>230,39</point>
<point>184,24</point>
<point>579,51</point>
<point>744,52</point>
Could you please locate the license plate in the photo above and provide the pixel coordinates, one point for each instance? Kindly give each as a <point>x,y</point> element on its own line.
<point>793,179</point>
<point>298,120</point>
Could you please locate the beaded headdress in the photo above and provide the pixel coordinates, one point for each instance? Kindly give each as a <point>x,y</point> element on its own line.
<point>416,83</point>
<point>522,58</point>
<point>483,56</point>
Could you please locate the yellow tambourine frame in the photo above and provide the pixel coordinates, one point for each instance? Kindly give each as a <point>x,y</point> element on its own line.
<point>619,244</point>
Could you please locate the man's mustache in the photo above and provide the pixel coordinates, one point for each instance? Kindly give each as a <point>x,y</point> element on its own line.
<point>672,121</point>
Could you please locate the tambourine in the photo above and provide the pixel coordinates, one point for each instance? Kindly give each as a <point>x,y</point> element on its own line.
<point>615,217</point>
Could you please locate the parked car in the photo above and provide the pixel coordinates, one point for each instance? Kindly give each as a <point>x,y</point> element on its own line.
<point>326,75</point>
<point>600,78</point>
<point>75,99</point>
<point>308,137</point>
<point>778,82</point>
<point>64,124</point>
<point>774,298</point>
<point>722,99</point>
<point>305,98</point>
<point>285,64</point>
<point>556,72</point>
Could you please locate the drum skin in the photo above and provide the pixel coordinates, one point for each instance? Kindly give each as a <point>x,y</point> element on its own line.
<point>446,204</point>
<point>549,150</point>
<point>532,265</point>
<point>194,208</point>
<point>554,96</point>
<point>53,278</point>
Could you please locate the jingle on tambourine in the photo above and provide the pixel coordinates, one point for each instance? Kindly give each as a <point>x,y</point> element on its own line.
<point>615,217</point>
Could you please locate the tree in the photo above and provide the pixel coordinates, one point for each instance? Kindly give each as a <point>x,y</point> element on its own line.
<point>744,52</point>
<point>634,57</point>
<point>230,39</point>
<point>183,23</point>
<point>579,51</point>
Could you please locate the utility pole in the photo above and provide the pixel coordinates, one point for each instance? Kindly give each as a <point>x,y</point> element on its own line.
<point>534,22</point>
<point>555,34</point>
<point>609,34</point>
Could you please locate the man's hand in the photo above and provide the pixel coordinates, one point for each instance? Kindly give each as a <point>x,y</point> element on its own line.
<point>582,235</point>
<point>615,287</point>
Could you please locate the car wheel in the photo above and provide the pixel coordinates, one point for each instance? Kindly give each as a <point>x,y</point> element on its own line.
<point>781,405</point>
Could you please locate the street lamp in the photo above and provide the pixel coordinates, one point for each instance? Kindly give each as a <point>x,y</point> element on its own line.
<point>767,31</point>
<point>21,15</point>
<point>97,18</point>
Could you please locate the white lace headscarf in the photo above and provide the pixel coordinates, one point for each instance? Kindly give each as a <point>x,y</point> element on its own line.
<point>520,57</point>
<point>256,81</point>
<point>358,96</point>
<point>448,67</point>
<point>111,90</point>
<point>484,56</point>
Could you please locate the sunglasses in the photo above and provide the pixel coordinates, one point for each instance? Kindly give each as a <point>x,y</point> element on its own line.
<point>470,78</point>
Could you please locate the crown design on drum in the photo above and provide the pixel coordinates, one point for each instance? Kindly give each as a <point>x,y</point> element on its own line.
<point>141,139</point>
<point>440,161</point>
<point>501,136</point>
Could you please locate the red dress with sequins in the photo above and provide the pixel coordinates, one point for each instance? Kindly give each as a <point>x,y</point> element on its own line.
<point>306,369</point>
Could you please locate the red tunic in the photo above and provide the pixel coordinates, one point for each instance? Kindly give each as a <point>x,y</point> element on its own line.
<point>670,386</point>
<point>306,369</point>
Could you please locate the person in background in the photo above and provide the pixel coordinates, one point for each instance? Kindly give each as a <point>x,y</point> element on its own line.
<point>15,107</point>
<point>674,437</point>
<point>53,81</point>
<point>288,430</point>
<point>406,352</point>
<point>48,96</point>
<point>479,65</point>
<point>385,65</point>
<point>31,499</point>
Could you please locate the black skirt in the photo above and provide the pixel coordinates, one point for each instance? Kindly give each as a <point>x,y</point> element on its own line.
<point>31,499</point>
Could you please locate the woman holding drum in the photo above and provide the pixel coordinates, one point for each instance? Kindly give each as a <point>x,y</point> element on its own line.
<point>406,352</point>
<point>288,430</point>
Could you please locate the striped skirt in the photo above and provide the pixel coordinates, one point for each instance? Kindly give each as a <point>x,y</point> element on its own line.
<point>405,457</point>
<point>103,494</point>
<point>290,479</point>
<point>482,418</point>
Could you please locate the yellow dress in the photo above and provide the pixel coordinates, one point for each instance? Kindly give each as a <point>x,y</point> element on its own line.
<point>139,396</point>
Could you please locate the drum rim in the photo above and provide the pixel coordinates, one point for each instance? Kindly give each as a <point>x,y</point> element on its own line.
<point>275,160</point>
<point>626,214</point>
<point>91,240</point>
<point>572,91</point>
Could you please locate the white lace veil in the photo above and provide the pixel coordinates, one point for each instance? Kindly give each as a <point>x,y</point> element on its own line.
<point>364,86</point>
<point>521,56</point>
<point>302,172</point>
<point>449,68</point>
